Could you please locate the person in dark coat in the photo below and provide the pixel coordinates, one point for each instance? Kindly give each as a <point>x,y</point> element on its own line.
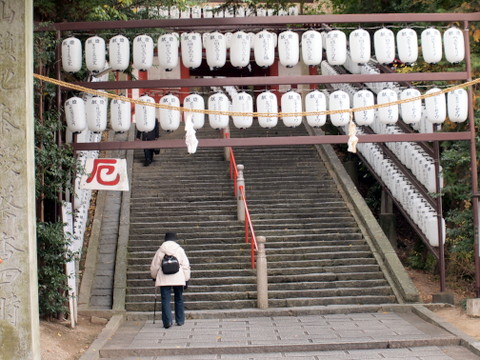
<point>150,136</point>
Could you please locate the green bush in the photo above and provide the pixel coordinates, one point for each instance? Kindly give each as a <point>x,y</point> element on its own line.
<point>52,255</point>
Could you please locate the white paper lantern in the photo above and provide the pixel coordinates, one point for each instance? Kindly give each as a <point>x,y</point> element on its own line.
<point>145,114</point>
<point>242,102</point>
<point>363,98</point>
<point>240,49</point>
<point>316,101</point>
<point>291,102</point>
<point>196,12</point>
<point>411,111</point>
<point>431,41</point>
<point>168,51</point>
<point>339,100</point>
<point>435,107</point>
<point>207,12</point>
<point>384,44</point>
<point>387,115</point>
<point>96,110</point>
<point>407,44</point>
<point>454,45</point>
<point>174,12</point>
<point>195,101</point>
<point>71,55</point>
<point>120,114</point>
<point>143,52</point>
<point>288,48</point>
<point>119,53</point>
<point>218,102</point>
<point>216,50</point>
<point>95,54</point>
<point>457,101</point>
<point>169,118</point>
<point>336,44</point>
<point>267,104</point>
<point>191,48</point>
<point>360,44</point>
<point>75,114</point>
<point>264,48</point>
<point>311,47</point>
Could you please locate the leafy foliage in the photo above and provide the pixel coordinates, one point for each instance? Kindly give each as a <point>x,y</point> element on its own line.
<point>52,254</point>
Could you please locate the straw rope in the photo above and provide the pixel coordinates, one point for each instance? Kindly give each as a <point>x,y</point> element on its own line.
<point>254,114</point>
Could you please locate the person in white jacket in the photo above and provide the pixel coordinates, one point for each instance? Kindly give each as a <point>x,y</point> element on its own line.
<point>177,281</point>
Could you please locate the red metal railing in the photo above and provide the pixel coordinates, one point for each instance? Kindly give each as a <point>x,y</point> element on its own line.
<point>249,230</point>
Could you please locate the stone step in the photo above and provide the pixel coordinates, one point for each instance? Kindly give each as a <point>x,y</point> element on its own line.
<point>241,262</point>
<point>198,287</point>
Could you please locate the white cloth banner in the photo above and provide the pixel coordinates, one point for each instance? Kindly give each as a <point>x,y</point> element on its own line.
<point>105,174</point>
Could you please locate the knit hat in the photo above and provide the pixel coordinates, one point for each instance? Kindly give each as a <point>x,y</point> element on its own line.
<point>170,236</point>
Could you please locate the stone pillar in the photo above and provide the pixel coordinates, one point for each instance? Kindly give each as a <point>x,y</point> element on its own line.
<point>19,325</point>
<point>240,203</point>
<point>262,277</point>
<point>387,218</point>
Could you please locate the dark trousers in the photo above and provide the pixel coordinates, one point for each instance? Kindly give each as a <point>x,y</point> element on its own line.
<point>166,292</point>
<point>148,155</point>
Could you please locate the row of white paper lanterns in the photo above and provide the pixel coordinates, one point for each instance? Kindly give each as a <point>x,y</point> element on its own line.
<point>93,112</point>
<point>263,44</point>
<point>402,189</point>
<point>197,12</point>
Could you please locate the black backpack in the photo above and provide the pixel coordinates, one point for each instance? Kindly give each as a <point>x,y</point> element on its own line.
<point>170,265</point>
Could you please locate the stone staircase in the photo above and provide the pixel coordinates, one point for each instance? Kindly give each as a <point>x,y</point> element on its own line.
<point>316,252</point>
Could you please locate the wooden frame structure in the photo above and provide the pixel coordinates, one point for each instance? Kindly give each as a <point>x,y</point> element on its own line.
<point>312,21</point>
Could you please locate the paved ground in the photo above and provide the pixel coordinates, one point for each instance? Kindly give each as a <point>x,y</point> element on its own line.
<point>374,335</point>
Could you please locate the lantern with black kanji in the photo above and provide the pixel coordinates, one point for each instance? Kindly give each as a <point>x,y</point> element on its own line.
<point>264,48</point>
<point>191,49</point>
<point>120,114</point>
<point>218,102</point>
<point>384,45</point>
<point>336,47</point>
<point>431,41</point>
<point>316,101</point>
<point>75,114</point>
<point>240,49</point>
<point>143,52</point>
<point>363,98</point>
<point>95,54</point>
<point>291,103</point>
<point>411,111</point>
<point>167,46</point>
<point>288,48</point>
<point>267,104</point>
<point>457,104</point>
<point>169,118</point>
<point>311,47</point>
<point>145,114</point>
<point>215,50</point>
<point>407,44</point>
<point>96,110</point>
<point>454,45</point>
<point>339,100</point>
<point>387,114</point>
<point>242,102</point>
<point>435,107</point>
<point>71,55</point>
<point>196,102</point>
<point>359,42</point>
<point>119,53</point>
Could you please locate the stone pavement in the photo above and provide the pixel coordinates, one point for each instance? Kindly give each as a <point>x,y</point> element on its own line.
<point>405,333</point>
